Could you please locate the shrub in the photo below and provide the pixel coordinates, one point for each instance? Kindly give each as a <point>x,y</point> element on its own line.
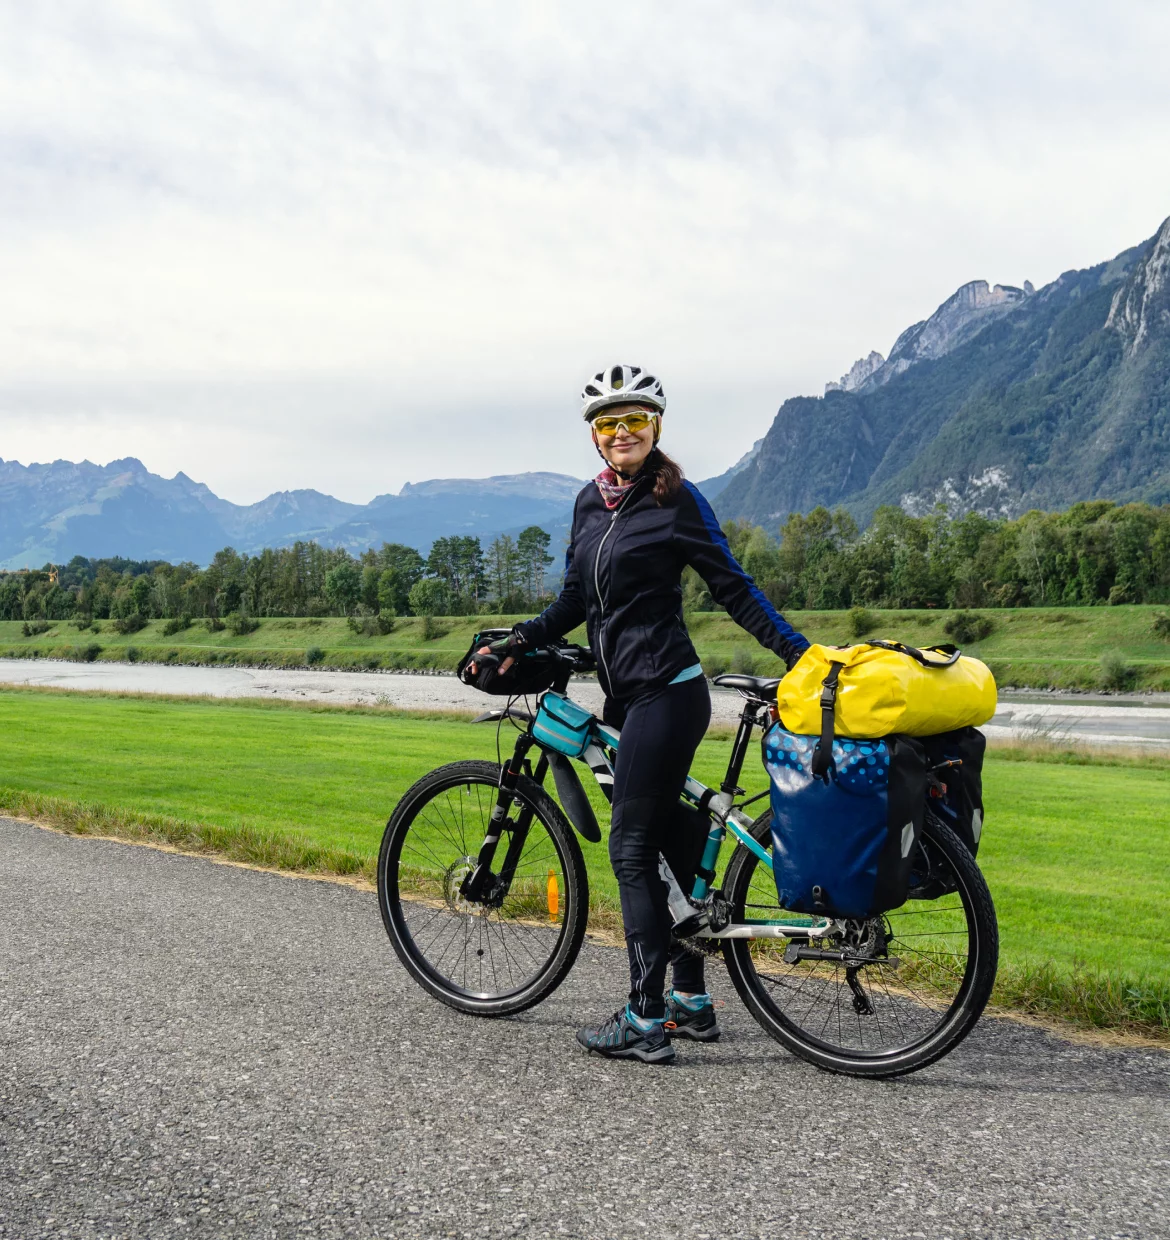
<point>130,624</point>
<point>177,625</point>
<point>133,654</point>
<point>86,654</point>
<point>714,665</point>
<point>861,621</point>
<point>1116,674</point>
<point>432,629</point>
<point>966,626</point>
<point>743,661</point>
<point>314,655</point>
<point>35,629</point>
<point>1162,626</point>
<point>372,626</point>
<point>213,624</point>
<point>241,625</point>
<point>82,623</point>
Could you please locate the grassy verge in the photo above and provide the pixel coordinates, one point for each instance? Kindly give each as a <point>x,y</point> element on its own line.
<point>1077,850</point>
<point>1030,647</point>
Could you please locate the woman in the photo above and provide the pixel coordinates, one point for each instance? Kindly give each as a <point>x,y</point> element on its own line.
<point>635,528</point>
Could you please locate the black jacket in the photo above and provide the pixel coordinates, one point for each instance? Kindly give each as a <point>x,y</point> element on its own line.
<point>623,577</point>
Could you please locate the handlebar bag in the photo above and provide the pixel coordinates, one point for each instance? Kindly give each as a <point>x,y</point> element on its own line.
<point>532,672</point>
<point>562,725</point>
<point>843,844</point>
<point>885,687</point>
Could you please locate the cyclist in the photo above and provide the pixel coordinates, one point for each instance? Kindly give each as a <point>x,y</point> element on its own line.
<point>635,528</point>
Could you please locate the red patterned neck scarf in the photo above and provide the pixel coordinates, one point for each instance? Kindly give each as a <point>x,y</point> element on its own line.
<point>613,489</point>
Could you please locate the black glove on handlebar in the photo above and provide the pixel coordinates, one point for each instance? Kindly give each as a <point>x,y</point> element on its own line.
<point>532,671</point>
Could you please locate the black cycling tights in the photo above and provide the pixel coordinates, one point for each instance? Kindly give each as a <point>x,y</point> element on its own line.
<point>660,733</point>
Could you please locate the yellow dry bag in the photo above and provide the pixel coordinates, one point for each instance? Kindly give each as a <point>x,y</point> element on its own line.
<point>880,687</point>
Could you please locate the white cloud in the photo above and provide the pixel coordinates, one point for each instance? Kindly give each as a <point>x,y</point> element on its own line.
<point>346,245</point>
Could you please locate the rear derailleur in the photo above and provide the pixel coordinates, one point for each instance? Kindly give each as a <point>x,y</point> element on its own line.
<point>862,943</point>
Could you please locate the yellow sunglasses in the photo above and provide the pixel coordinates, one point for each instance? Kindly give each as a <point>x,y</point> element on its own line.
<point>634,421</point>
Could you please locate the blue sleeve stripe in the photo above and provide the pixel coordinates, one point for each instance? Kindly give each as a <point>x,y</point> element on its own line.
<point>717,537</point>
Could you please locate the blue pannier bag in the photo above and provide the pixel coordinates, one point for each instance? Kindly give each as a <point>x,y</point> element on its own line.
<point>562,725</point>
<point>843,844</point>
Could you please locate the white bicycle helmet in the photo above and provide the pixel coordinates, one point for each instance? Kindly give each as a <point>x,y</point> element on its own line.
<point>621,385</point>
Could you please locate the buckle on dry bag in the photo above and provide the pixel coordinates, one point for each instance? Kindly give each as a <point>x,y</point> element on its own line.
<point>822,759</point>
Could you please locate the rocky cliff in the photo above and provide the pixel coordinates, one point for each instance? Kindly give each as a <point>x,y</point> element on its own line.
<point>1003,399</point>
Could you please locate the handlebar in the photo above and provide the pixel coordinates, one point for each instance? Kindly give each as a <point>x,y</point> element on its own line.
<point>579,658</point>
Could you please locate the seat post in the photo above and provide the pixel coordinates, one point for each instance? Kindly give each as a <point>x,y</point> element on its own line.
<point>747,721</point>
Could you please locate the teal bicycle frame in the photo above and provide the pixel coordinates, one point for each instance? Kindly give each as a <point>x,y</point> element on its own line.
<point>699,915</point>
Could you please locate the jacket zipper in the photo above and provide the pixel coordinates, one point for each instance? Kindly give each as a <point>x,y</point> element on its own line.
<point>597,586</point>
<point>600,602</point>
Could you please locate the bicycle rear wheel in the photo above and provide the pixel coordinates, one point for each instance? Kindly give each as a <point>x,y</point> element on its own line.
<point>931,976</point>
<point>504,954</point>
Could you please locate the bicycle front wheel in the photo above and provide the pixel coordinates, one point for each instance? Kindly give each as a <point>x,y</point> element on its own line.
<point>505,953</point>
<point>930,965</point>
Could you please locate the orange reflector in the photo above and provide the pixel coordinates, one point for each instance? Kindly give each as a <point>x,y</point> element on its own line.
<point>554,896</point>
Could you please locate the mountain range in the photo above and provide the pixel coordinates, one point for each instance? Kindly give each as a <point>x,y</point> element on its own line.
<point>52,512</point>
<point>1004,399</point>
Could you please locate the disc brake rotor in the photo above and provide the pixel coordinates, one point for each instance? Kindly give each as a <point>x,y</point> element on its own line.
<point>456,872</point>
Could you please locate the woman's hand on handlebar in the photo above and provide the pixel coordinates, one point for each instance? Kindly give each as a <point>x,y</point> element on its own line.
<point>507,663</point>
<point>509,647</point>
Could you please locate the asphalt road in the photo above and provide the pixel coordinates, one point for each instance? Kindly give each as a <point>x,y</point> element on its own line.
<point>190,1049</point>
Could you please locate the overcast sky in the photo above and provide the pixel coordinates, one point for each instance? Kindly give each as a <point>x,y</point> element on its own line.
<point>350,245</point>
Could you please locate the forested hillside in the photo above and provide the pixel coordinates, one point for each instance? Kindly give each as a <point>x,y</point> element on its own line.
<point>1004,400</point>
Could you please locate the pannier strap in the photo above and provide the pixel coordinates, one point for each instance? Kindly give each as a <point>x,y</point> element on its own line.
<point>952,652</point>
<point>822,759</point>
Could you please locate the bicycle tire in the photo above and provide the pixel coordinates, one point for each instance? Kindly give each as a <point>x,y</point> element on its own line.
<point>765,993</point>
<point>435,901</point>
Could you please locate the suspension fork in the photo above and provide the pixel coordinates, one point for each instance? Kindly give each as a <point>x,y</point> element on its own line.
<point>481,885</point>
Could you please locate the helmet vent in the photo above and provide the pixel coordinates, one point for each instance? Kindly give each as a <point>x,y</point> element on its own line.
<point>616,378</point>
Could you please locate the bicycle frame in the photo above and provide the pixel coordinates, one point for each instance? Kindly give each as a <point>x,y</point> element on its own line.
<point>692,914</point>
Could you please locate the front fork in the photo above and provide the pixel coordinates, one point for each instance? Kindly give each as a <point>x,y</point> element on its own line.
<point>481,886</point>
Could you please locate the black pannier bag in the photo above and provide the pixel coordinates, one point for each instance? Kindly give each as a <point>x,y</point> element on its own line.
<point>844,842</point>
<point>960,806</point>
<point>533,672</point>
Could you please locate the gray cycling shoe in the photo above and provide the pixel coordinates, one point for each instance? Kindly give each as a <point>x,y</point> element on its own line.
<point>620,1038</point>
<point>691,1022</point>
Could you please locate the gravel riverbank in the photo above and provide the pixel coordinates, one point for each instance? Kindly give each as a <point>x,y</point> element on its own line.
<point>1129,720</point>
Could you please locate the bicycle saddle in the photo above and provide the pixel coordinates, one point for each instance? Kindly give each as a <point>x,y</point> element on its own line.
<point>755,686</point>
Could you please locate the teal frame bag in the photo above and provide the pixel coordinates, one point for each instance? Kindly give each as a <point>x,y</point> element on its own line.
<point>563,725</point>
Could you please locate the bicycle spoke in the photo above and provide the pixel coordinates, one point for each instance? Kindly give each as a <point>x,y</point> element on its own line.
<point>482,948</point>
<point>906,1002</point>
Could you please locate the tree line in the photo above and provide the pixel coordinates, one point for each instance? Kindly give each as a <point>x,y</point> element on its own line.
<point>457,577</point>
<point>1092,553</point>
<point>1096,552</point>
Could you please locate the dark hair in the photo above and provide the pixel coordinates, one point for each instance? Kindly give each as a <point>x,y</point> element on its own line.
<point>667,474</point>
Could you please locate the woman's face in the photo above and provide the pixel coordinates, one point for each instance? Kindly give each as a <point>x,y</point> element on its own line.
<point>627,449</point>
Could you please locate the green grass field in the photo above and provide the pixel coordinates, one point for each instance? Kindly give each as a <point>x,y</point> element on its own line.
<point>1077,848</point>
<point>1029,646</point>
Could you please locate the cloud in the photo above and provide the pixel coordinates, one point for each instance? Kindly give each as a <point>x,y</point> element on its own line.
<point>349,245</point>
